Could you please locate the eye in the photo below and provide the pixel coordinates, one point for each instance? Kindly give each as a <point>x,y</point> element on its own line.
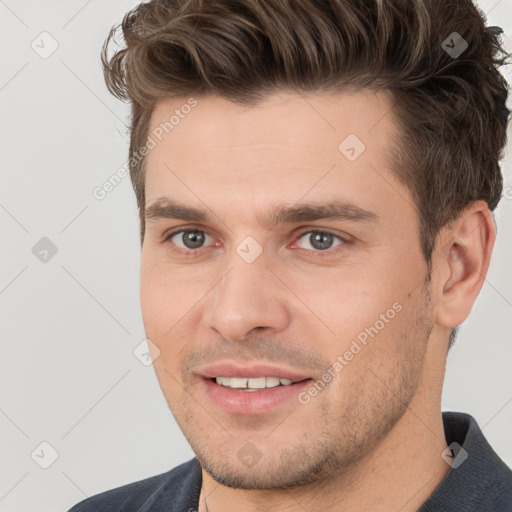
<point>320,240</point>
<point>189,239</point>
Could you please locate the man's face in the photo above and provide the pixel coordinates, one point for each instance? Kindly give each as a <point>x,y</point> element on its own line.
<point>339,300</point>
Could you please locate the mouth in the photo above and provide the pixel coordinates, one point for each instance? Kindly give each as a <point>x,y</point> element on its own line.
<point>251,384</point>
<point>254,389</point>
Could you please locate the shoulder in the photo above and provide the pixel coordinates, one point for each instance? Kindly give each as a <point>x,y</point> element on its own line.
<point>178,487</point>
<point>478,478</point>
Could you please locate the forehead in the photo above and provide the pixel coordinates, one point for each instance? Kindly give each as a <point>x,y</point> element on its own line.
<point>282,118</point>
<point>289,146</point>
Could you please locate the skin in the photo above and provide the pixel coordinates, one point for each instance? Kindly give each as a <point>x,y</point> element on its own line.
<point>373,438</point>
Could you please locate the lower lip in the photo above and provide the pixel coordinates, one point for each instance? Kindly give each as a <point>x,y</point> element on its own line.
<point>252,402</point>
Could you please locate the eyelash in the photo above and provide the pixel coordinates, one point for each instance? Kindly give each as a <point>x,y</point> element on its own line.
<point>327,252</point>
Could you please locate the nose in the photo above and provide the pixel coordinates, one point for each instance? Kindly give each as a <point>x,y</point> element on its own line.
<point>248,298</point>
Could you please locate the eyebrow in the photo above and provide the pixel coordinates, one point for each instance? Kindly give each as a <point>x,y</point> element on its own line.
<point>165,208</point>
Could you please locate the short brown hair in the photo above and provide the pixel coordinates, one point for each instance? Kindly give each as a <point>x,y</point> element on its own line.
<point>451,108</point>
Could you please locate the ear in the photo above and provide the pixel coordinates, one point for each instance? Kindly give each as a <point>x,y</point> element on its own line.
<point>462,260</point>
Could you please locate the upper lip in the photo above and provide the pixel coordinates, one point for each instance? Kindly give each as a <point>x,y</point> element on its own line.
<point>228,369</point>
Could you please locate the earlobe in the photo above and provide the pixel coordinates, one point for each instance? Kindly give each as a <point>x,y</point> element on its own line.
<point>464,259</point>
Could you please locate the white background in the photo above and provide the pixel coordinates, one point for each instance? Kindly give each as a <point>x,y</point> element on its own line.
<point>70,325</point>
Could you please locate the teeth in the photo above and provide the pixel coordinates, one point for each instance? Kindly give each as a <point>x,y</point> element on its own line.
<point>272,382</point>
<point>237,383</point>
<point>252,383</point>
<point>256,382</point>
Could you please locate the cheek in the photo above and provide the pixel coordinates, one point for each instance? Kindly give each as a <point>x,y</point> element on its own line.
<point>356,315</point>
<point>165,295</point>
<point>344,300</point>
<point>151,304</point>
<point>167,306</point>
